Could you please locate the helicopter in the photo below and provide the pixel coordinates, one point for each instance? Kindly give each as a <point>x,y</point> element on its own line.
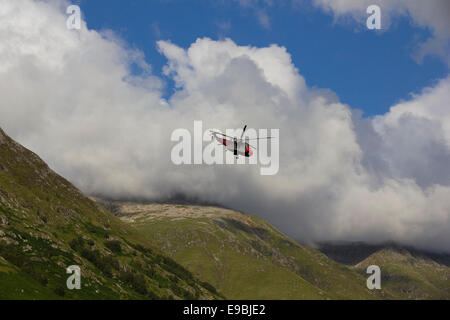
<point>238,146</point>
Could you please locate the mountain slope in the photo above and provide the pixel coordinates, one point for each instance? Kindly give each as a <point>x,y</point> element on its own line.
<point>46,225</point>
<point>406,273</point>
<point>409,275</point>
<point>242,255</point>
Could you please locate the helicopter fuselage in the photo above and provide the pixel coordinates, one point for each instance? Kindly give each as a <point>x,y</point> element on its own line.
<point>238,148</point>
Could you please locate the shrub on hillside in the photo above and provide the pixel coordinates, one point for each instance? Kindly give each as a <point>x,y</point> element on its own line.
<point>135,281</point>
<point>113,245</point>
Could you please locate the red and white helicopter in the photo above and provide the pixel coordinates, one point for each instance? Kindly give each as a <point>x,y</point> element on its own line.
<point>238,146</point>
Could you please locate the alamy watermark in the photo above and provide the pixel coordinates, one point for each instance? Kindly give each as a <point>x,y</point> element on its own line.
<point>73,281</point>
<point>74,19</point>
<point>235,146</point>
<point>374,20</point>
<point>374,280</point>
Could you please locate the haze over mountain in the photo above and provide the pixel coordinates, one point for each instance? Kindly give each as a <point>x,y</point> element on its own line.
<point>72,97</point>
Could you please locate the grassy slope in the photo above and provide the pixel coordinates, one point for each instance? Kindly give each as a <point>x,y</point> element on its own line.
<point>46,225</point>
<point>18,285</point>
<point>408,275</point>
<point>242,255</point>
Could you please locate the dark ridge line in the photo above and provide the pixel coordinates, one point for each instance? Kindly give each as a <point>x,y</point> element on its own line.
<point>352,253</point>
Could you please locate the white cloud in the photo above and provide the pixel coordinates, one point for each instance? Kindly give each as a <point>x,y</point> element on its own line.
<point>427,105</point>
<point>70,97</point>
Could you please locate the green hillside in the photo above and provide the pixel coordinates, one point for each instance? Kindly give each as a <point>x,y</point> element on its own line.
<point>46,225</point>
<point>409,275</point>
<point>243,256</point>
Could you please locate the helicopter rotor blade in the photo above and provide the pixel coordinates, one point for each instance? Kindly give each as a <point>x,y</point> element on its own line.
<point>216,132</point>
<point>243,131</point>
<point>260,138</point>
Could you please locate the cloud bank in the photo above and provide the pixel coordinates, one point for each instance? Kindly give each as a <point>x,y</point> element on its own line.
<point>71,97</point>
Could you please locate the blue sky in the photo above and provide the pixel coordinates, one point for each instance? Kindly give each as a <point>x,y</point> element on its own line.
<point>368,70</point>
